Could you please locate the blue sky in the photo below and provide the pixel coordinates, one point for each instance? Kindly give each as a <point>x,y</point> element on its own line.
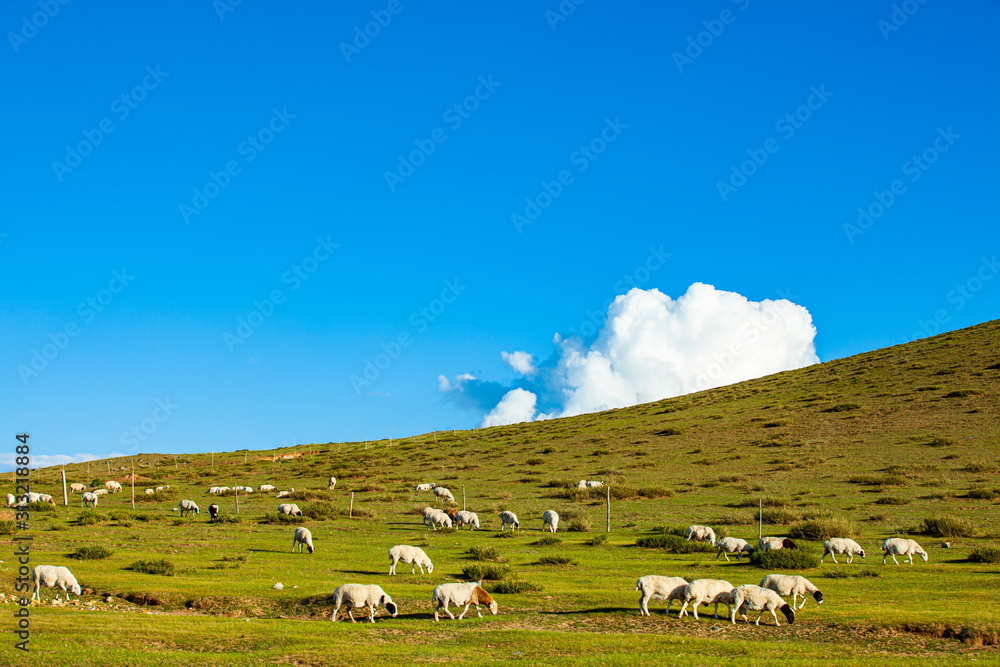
<point>217,155</point>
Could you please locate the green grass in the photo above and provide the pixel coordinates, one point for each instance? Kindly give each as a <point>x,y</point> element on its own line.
<point>708,458</point>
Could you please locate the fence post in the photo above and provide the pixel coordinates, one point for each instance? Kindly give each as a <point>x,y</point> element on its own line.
<point>133,482</point>
<point>237,498</point>
<point>760,518</point>
<point>350,512</point>
<point>463,497</point>
<point>609,508</point>
<point>65,497</point>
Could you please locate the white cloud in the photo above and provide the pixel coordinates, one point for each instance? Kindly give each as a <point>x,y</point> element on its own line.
<point>653,347</point>
<point>517,405</point>
<point>521,362</point>
<point>8,464</point>
<point>445,385</point>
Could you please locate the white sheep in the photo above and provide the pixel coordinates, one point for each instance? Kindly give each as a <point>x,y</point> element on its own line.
<point>290,509</point>
<point>88,498</point>
<point>161,489</point>
<point>188,506</point>
<point>728,545</point>
<point>656,587</point>
<point>706,592</point>
<point>332,483</point>
<point>425,487</point>
<point>100,492</point>
<point>358,596</point>
<point>266,487</point>
<point>794,585</point>
<point>470,519</point>
<point>302,537</point>
<point>701,534</point>
<point>900,546</point>
<point>285,494</point>
<point>150,492</point>
<point>841,545</point>
<point>76,487</point>
<point>508,518</point>
<point>244,489</point>
<point>754,598</point>
<point>550,519</point>
<point>52,576</point>
<point>415,556</point>
<point>773,543</point>
<point>113,486</point>
<point>444,494</point>
<point>11,500</point>
<point>594,485</point>
<point>438,518</point>
<point>581,485</point>
<point>472,593</point>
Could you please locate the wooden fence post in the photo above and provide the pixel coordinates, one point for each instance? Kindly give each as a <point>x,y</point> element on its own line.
<point>609,508</point>
<point>65,496</point>
<point>463,497</point>
<point>350,512</point>
<point>133,482</point>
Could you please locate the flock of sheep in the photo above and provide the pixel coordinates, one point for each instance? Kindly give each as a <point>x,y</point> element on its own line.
<point>767,596</point>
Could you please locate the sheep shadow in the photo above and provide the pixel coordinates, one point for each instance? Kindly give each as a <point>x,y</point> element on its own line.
<point>595,610</point>
<point>372,572</point>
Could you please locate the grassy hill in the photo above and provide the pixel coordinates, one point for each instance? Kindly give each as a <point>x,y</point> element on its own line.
<point>899,441</point>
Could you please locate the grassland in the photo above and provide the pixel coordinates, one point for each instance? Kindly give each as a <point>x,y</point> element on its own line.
<point>873,445</point>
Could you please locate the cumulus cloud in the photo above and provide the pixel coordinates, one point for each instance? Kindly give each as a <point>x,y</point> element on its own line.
<point>7,461</point>
<point>522,362</point>
<point>517,405</point>
<point>652,347</point>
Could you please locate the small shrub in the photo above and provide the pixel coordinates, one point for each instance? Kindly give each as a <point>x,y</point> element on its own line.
<point>39,506</point>
<point>275,517</point>
<point>319,511</point>
<point>670,431</point>
<point>963,393</point>
<point>601,452</point>
<point>776,517</point>
<point>843,407</point>
<point>579,525</point>
<point>487,554</point>
<point>596,540</point>
<point>678,530</point>
<point>512,586</point>
<point>535,461</point>
<point>982,466</point>
<point>162,567</point>
<point>230,518</point>
<point>91,553</point>
<point>784,559</point>
<point>548,541</point>
<point>942,442</point>
<point>7,526</point>
<point>88,518</point>
<point>985,555</point>
<point>891,500</point>
<point>505,535</point>
<point>822,529</point>
<point>549,450</point>
<point>241,558</point>
<point>946,526</point>
<point>556,560</point>
<point>478,571</point>
<point>983,494</point>
<point>673,544</point>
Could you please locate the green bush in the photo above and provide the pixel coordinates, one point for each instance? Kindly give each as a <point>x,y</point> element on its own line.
<point>776,517</point>
<point>596,540</point>
<point>946,526</point>
<point>230,518</point>
<point>7,526</point>
<point>822,529</point>
<point>488,554</point>
<point>162,567</point>
<point>985,555</point>
<point>678,530</point>
<point>983,494</point>
<point>580,524</point>
<point>784,559</point>
<point>39,506</point>
<point>319,511</point>
<point>548,541</point>
<point>512,587</point>
<point>673,544</point>
<point>480,571</point>
<point>891,500</point>
<point>91,553</point>
<point>275,517</point>
<point>88,518</point>
<point>556,560</point>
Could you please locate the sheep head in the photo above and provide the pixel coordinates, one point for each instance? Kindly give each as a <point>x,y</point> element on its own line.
<point>787,544</point>
<point>818,596</point>
<point>788,612</point>
<point>387,602</point>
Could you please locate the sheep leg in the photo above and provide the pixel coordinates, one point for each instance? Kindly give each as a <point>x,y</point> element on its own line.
<point>351,615</point>
<point>850,559</point>
<point>775,618</point>
<point>683,612</point>
<point>758,617</point>
<point>894,559</point>
<point>448,611</point>
<point>695,606</point>
<point>464,610</point>
<point>371,613</point>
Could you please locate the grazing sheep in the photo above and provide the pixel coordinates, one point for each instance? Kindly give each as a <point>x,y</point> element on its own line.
<point>728,545</point>
<point>113,486</point>
<point>772,543</point>
<point>52,576</point>
<point>358,596</point>
<point>444,494</point>
<point>290,509</point>
<point>160,489</point>
<point>425,487</point>
<point>415,556</point>
<point>46,498</point>
<point>900,546</point>
<point>88,498</point>
<point>302,537</point>
<point>427,511</point>
<point>472,593</point>
<point>333,483</point>
<point>438,518</point>
<point>706,592</point>
<point>11,500</point>
<point>188,506</point>
<point>452,514</point>
<point>550,519</point>
<point>285,494</point>
<point>213,513</point>
<point>701,534</point>
<point>655,587</point>
<point>788,584</point>
<point>266,487</point>
<point>581,485</point>
<point>470,519</point>
<point>754,598</point>
<point>841,545</point>
<point>100,492</point>
<point>150,492</point>
<point>76,487</point>
<point>508,518</point>
<point>594,485</point>
<point>244,489</point>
